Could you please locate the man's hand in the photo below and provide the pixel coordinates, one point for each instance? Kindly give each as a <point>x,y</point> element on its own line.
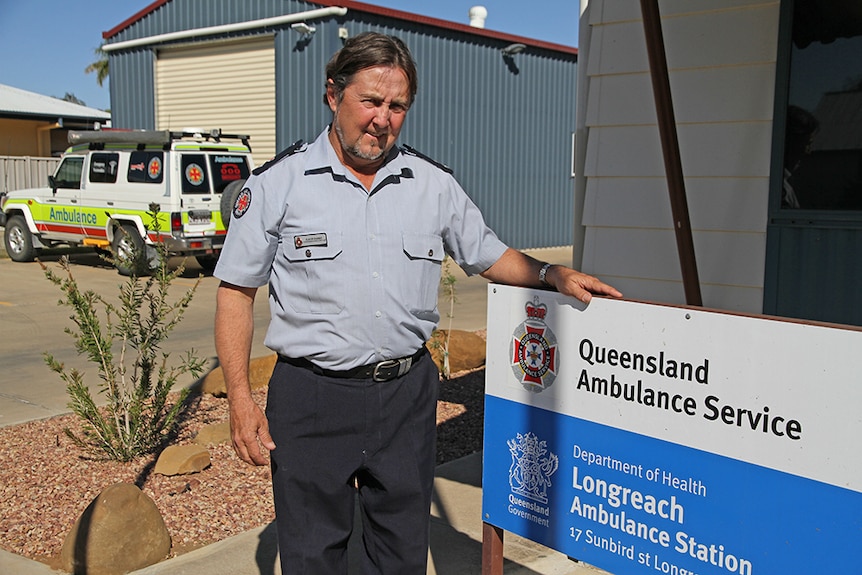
<point>578,284</point>
<point>249,432</point>
<point>519,269</point>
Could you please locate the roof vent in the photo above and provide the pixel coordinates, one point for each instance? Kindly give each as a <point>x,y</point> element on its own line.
<point>478,14</point>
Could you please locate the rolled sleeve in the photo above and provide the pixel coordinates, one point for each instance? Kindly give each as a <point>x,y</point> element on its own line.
<point>253,238</point>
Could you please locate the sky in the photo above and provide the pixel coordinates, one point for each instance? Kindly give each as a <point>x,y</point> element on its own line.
<point>47,44</point>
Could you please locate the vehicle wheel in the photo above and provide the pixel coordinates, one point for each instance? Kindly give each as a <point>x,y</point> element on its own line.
<point>19,240</point>
<point>129,252</point>
<point>228,199</point>
<point>208,262</point>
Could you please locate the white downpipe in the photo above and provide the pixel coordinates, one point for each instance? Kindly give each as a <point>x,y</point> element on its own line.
<point>581,136</point>
<point>225,28</point>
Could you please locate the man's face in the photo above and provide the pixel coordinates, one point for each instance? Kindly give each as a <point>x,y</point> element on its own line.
<point>367,120</point>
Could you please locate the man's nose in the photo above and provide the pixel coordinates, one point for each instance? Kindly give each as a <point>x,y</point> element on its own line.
<point>383,114</point>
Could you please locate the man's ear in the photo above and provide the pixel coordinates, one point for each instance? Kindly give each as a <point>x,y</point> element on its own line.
<point>331,97</point>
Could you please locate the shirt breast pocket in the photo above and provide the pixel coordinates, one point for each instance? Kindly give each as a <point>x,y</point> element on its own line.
<point>315,275</point>
<point>425,257</point>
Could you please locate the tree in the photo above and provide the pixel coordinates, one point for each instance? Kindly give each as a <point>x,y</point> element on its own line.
<point>100,66</point>
<point>70,97</point>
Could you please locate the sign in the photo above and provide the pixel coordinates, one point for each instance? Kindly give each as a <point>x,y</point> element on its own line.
<point>643,438</point>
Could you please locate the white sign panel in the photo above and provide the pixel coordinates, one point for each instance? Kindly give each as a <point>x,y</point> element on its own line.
<point>638,436</point>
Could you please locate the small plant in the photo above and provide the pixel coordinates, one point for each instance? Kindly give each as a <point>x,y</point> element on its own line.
<point>124,341</point>
<point>438,341</point>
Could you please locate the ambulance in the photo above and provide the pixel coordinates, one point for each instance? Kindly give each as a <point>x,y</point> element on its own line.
<point>108,183</point>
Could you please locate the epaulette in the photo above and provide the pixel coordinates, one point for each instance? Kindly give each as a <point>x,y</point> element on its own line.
<point>413,152</point>
<point>297,146</point>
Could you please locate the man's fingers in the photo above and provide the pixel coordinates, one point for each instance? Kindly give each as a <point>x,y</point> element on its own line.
<point>266,438</point>
<point>250,435</point>
<point>251,451</point>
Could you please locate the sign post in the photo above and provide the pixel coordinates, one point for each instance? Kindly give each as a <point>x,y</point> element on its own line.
<point>644,438</point>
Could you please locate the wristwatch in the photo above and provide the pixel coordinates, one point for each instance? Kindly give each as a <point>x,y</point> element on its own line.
<point>543,272</point>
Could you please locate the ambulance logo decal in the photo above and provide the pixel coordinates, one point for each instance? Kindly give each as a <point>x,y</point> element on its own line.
<point>243,202</point>
<point>154,169</point>
<point>531,469</point>
<point>533,351</point>
<point>194,174</point>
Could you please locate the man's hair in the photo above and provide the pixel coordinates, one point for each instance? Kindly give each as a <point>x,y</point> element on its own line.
<point>367,50</point>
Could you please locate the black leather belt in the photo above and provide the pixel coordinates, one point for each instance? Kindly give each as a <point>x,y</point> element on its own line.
<point>380,372</point>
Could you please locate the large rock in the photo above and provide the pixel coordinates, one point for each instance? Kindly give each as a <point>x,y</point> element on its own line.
<point>182,460</point>
<point>119,532</point>
<point>214,434</point>
<point>259,372</point>
<point>466,350</point>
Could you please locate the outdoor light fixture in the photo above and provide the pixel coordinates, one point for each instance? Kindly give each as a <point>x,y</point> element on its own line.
<point>304,29</point>
<point>513,49</point>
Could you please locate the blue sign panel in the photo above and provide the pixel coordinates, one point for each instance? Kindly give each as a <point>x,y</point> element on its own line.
<point>622,501</point>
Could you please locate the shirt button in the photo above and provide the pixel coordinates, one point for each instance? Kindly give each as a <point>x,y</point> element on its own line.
<point>308,253</point>
<point>375,275</point>
<point>377,314</point>
<point>430,253</point>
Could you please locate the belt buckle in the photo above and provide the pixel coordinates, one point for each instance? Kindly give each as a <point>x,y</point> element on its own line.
<point>403,364</point>
<point>385,365</point>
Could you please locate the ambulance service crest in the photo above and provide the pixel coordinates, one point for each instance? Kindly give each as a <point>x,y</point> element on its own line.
<point>533,350</point>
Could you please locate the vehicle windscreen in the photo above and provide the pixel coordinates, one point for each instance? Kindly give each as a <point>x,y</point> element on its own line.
<point>68,175</point>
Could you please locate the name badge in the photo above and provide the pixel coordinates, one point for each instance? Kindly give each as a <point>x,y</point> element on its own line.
<point>309,240</point>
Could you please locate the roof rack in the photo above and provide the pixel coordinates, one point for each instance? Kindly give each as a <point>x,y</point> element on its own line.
<point>150,137</point>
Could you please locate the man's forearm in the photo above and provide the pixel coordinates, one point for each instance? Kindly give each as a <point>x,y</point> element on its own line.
<point>234,330</point>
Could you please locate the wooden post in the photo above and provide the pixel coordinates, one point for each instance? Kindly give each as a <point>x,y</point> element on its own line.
<point>492,550</point>
<point>670,150</point>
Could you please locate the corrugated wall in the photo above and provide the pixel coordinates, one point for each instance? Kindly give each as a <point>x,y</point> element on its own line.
<point>503,126</point>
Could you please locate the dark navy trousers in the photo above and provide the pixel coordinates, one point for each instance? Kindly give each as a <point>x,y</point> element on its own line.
<point>332,433</point>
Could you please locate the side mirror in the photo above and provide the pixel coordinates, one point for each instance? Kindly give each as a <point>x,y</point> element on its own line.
<point>53,183</point>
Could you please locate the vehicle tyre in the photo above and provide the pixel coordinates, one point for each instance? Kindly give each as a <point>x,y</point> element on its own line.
<point>228,199</point>
<point>208,262</point>
<point>129,251</point>
<point>19,240</point>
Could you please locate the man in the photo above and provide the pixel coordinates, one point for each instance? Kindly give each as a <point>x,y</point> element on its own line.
<point>350,232</point>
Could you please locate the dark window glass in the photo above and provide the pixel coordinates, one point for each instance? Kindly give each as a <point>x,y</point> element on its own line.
<point>68,175</point>
<point>194,174</point>
<point>103,167</point>
<point>823,137</point>
<point>226,169</point>
<point>148,167</point>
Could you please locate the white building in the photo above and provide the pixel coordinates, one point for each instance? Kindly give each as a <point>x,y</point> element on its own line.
<point>737,69</point>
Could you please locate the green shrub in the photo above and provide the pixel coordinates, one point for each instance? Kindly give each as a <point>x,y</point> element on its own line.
<point>123,341</point>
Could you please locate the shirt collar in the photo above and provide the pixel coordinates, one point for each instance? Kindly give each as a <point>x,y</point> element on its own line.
<point>321,158</point>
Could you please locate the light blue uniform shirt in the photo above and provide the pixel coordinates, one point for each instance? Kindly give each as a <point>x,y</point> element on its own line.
<point>353,276</point>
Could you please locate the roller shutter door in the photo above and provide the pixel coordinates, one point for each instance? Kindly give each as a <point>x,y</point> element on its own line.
<point>228,85</point>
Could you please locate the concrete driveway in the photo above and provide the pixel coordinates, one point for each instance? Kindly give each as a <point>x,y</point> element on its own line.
<point>32,323</point>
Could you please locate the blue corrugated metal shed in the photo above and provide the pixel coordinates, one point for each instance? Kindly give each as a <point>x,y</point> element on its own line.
<point>503,124</point>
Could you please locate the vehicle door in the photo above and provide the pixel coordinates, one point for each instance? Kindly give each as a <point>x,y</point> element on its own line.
<point>100,194</point>
<point>60,216</point>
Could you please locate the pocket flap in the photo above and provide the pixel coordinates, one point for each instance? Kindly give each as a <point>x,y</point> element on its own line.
<point>423,246</point>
